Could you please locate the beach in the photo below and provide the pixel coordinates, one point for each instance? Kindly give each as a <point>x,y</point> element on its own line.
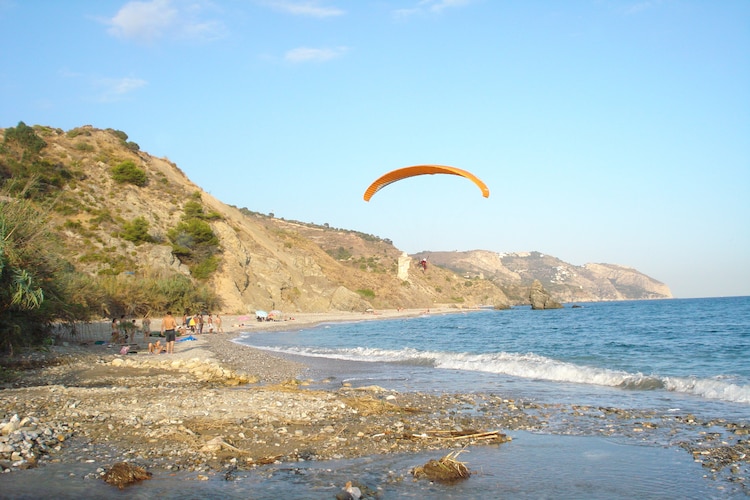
<point>214,402</point>
<point>215,407</point>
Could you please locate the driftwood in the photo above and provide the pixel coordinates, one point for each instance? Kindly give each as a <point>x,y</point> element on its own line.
<point>445,470</point>
<point>469,434</point>
<point>218,443</point>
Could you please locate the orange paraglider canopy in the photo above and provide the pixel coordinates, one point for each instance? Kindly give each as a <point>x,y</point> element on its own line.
<point>403,173</point>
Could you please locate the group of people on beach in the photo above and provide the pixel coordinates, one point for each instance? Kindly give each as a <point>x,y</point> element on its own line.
<point>197,322</point>
<point>123,330</point>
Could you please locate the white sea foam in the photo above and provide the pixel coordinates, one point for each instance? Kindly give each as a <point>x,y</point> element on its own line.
<point>535,367</point>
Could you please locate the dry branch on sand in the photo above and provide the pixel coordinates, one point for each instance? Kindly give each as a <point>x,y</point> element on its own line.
<point>467,434</point>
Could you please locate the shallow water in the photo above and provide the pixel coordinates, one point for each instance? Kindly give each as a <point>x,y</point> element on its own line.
<point>531,466</point>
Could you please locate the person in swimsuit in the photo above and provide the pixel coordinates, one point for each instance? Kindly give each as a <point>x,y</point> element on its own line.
<point>168,327</point>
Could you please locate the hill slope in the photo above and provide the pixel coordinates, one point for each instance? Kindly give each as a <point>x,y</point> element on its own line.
<point>120,211</point>
<point>250,260</point>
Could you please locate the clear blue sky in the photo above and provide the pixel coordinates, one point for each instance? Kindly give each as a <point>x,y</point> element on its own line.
<point>607,130</point>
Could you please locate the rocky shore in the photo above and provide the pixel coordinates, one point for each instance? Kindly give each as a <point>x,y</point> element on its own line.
<point>215,406</point>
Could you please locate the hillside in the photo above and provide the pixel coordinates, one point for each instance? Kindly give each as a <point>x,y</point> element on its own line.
<point>514,273</point>
<point>121,212</point>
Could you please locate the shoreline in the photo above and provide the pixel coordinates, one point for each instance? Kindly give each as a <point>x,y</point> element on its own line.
<point>211,401</point>
<point>215,404</point>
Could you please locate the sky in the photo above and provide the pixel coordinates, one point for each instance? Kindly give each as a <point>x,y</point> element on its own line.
<point>608,131</point>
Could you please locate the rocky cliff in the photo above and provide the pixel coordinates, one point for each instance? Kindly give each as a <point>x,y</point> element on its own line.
<point>515,273</point>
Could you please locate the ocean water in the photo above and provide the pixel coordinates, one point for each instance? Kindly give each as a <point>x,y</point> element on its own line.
<point>690,354</point>
<point>662,358</point>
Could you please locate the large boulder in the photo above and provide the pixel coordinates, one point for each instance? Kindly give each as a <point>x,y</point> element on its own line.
<point>540,298</point>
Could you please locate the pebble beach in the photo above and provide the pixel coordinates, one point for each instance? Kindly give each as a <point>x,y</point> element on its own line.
<point>210,404</point>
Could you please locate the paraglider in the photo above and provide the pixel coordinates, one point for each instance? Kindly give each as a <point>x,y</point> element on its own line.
<point>403,173</point>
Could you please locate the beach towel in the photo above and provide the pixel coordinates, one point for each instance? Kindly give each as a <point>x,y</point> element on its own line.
<point>189,337</point>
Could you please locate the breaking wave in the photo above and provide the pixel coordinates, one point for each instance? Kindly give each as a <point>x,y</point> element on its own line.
<point>535,367</point>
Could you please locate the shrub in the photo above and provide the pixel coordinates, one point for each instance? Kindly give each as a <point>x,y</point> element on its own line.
<point>35,283</point>
<point>128,172</point>
<point>119,134</point>
<point>340,253</point>
<point>205,268</point>
<point>366,293</point>
<point>193,233</point>
<point>137,231</point>
<point>25,137</point>
<point>194,242</point>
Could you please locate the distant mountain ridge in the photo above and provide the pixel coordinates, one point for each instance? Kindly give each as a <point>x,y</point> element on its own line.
<point>120,211</point>
<point>514,273</point>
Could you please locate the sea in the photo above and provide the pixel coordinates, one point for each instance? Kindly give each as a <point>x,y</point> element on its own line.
<point>681,361</point>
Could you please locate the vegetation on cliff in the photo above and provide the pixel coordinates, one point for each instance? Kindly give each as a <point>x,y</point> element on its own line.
<point>39,286</point>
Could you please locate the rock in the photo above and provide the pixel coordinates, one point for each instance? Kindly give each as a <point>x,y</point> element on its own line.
<point>540,298</point>
<point>350,492</point>
<point>123,474</point>
<point>11,426</point>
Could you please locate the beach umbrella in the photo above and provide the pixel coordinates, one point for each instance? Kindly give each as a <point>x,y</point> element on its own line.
<point>261,314</point>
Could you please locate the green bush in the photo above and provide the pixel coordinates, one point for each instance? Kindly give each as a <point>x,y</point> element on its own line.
<point>25,137</point>
<point>205,268</point>
<point>366,293</point>
<point>194,242</point>
<point>193,233</point>
<point>137,231</point>
<point>340,253</point>
<point>119,134</point>
<point>128,172</point>
<point>35,283</point>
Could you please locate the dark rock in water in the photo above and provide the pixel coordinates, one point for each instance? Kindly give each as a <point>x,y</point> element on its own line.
<point>540,298</point>
<point>124,474</point>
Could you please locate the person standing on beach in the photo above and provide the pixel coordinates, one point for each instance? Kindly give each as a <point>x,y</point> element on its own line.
<point>168,326</point>
<point>115,331</point>
<point>146,327</point>
<point>217,322</point>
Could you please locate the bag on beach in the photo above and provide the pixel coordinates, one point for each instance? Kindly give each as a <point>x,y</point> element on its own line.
<point>124,349</point>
